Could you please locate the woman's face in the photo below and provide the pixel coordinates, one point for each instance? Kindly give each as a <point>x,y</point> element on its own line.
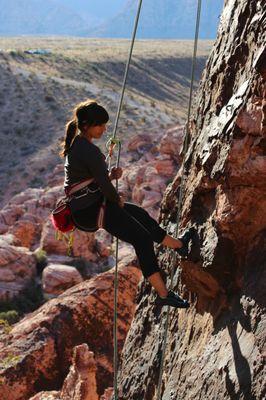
<point>96,132</point>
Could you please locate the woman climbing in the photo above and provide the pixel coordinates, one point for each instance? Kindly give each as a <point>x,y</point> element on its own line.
<point>88,182</point>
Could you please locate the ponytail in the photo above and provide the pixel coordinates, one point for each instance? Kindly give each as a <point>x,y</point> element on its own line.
<point>71,131</point>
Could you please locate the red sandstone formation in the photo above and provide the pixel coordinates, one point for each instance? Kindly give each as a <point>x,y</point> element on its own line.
<point>25,226</point>
<point>215,349</point>
<point>80,383</point>
<point>36,354</point>
<point>145,181</point>
<point>17,267</point>
<point>57,278</point>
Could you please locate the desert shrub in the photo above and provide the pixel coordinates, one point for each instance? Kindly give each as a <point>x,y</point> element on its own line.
<point>10,316</point>
<point>10,360</point>
<point>5,327</point>
<point>36,182</point>
<point>81,264</point>
<point>41,259</point>
<point>27,301</point>
<point>49,98</point>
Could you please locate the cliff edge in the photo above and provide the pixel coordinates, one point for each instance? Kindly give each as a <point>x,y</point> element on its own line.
<point>215,349</point>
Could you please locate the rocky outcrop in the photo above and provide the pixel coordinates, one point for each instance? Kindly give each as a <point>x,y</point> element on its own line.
<point>17,267</point>
<point>25,227</point>
<point>57,278</point>
<point>215,349</point>
<point>80,383</point>
<point>36,353</point>
<point>27,218</point>
<point>150,167</point>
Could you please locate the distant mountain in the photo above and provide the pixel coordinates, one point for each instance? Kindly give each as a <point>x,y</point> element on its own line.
<point>164,19</point>
<point>38,17</point>
<point>101,9</point>
<point>54,17</point>
<point>159,18</point>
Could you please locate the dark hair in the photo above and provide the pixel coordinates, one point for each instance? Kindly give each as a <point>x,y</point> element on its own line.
<point>88,113</point>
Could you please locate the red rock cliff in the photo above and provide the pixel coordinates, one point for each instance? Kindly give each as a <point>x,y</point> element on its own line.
<point>215,349</point>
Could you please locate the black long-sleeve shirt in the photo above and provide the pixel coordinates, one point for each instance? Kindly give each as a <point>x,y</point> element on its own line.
<point>84,161</point>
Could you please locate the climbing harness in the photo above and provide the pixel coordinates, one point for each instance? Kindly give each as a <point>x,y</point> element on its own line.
<point>181,192</point>
<point>112,143</point>
<point>62,218</point>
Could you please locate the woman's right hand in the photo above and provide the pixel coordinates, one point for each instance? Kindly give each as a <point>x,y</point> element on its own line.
<point>116,173</point>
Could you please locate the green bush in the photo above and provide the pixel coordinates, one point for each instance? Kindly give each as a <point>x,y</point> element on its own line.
<point>29,300</point>
<point>10,316</point>
<point>41,259</point>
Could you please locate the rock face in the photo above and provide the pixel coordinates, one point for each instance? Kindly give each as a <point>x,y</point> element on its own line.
<point>215,349</point>
<point>36,354</point>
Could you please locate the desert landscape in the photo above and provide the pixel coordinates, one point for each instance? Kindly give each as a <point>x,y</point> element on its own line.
<point>40,90</point>
<point>43,79</point>
<point>56,307</point>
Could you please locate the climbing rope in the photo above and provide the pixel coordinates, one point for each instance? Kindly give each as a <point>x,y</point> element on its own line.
<point>181,192</point>
<point>111,143</point>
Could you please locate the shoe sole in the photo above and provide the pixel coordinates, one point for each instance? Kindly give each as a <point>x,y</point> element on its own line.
<point>187,305</point>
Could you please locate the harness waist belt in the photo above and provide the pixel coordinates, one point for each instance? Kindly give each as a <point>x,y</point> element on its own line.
<point>78,186</point>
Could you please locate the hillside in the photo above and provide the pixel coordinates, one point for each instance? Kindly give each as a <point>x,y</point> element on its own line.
<point>39,91</point>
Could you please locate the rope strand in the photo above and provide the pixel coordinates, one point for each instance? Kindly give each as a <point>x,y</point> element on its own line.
<point>114,140</point>
<point>180,199</point>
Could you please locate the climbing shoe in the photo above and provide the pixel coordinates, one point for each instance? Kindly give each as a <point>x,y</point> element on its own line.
<point>172,300</point>
<point>185,239</point>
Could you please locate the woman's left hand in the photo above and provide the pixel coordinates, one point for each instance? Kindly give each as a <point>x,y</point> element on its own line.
<point>116,173</point>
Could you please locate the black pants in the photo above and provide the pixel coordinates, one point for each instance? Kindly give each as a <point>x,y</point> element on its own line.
<point>130,224</point>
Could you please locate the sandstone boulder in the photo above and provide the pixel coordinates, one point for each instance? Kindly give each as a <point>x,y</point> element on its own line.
<point>171,143</point>
<point>83,244</point>
<point>140,143</point>
<point>17,268</point>
<point>103,243</point>
<point>26,230</point>
<point>165,166</point>
<point>57,278</point>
